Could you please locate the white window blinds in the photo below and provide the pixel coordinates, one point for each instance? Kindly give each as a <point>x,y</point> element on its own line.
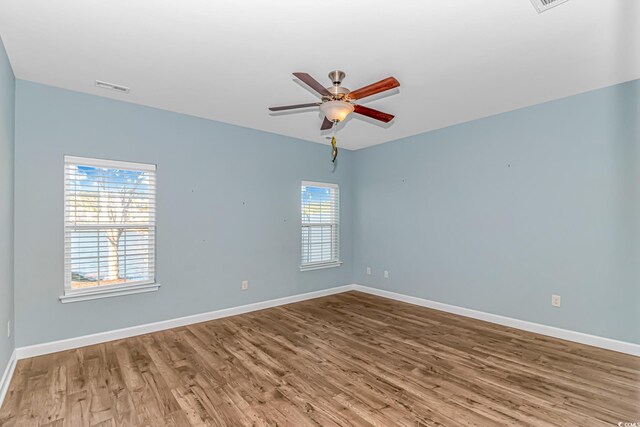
<point>110,225</point>
<point>320,225</point>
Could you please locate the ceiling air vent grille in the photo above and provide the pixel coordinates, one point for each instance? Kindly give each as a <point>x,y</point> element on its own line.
<point>117,88</point>
<point>542,5</point>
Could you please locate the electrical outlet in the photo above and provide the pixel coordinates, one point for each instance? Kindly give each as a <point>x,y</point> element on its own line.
<point>555,300</point>
<point>8,328</point>
<point>369,271</point>
<point>386,274</point>
<point>245,285</point>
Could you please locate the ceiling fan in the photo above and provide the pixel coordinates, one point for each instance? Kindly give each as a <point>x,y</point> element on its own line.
<point>337,101</point>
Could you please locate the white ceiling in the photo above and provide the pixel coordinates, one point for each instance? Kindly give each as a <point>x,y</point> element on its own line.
<point>229,60</point>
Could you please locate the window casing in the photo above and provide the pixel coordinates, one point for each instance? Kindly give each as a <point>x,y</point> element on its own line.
<point>109,229</point>
<point>320,206</point>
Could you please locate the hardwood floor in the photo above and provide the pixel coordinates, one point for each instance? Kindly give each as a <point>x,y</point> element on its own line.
<point>347,359</point>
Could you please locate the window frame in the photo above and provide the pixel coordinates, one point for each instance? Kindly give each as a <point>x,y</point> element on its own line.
<point>336,262</point>
<point>74,295</point>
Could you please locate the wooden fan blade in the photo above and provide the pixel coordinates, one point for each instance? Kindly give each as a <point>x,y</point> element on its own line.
<point>372,89</point>
<point>326,124</point>
<point>313,83</point>
<point>293,107</point>
<point>374,114</point>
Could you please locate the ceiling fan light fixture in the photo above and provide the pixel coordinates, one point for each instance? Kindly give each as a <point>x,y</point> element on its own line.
<point>336,111</point>
<point>336,100</point>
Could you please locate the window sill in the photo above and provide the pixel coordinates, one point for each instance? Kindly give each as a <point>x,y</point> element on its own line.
<point>310,267</point>
<point>108,293</point>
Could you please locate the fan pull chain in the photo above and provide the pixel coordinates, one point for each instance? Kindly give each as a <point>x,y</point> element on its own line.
<point>334,144</point>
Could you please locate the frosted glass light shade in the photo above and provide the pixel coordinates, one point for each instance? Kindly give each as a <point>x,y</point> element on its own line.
<point>336,111</point>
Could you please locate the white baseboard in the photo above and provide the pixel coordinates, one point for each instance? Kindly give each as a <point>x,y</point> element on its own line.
<point>6,376</point>
<point>565,334</point>
<point>82,341</point>
<point>71,343</point>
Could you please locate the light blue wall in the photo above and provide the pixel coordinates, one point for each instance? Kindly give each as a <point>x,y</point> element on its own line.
<point>494,215</point>
<point>228,210</point>
<point>7,93</point>
<point>500,213</point>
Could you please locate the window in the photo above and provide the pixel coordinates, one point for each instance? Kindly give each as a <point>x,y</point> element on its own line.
<point>320,225</point>
<point>109,231</point>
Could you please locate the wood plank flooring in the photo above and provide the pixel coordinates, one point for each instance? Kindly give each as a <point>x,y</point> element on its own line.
<point>347,359</point>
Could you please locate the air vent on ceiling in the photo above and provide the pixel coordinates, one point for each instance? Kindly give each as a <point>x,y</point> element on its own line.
<point>111,86</point>
<point>542,5</point>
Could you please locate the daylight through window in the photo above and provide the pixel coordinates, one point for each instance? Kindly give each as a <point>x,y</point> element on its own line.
<point>320,225</point>
<point>109,224</point>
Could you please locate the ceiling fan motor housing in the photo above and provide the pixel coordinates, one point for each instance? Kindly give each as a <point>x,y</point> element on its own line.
<point>337,91</point>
